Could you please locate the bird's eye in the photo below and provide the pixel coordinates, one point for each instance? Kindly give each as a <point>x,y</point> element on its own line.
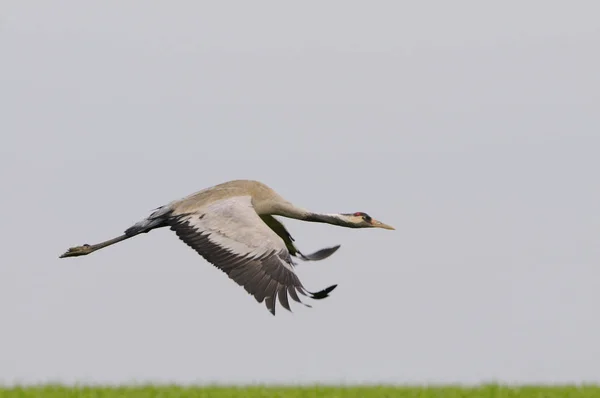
<point>364,216</point>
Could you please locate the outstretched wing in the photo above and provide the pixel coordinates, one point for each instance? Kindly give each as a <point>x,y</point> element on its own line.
<point>231,235</point>
<point>283,233</point>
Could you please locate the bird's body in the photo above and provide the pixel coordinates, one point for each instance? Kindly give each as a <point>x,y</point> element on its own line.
<point>265,199</point>
<point>232,225</point>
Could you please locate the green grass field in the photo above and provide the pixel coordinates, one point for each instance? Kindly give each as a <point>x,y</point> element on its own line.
<point>301,392</point>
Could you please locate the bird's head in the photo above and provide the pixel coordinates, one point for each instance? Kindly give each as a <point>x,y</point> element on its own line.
<point>363,220</point>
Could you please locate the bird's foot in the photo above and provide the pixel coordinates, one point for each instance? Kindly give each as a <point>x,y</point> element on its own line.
<point>77,251</point>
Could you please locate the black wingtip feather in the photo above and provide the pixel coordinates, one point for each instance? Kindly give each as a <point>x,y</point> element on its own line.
<point>323,293</point>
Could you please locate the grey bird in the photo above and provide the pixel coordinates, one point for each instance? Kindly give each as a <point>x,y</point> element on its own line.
<point>232,225</point>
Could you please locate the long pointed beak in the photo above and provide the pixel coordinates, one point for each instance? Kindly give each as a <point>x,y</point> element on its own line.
<point>379,224</point>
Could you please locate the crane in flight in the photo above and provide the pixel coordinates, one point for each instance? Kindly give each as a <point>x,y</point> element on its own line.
<point>232,226</point>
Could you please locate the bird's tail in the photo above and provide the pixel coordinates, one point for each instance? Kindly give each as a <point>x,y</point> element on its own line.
<point>157,219</point>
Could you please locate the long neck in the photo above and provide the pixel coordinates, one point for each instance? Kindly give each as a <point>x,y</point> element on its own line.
<point>291,211</point>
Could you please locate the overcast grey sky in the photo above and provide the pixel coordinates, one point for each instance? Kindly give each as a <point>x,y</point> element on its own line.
<point>471,127</point>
